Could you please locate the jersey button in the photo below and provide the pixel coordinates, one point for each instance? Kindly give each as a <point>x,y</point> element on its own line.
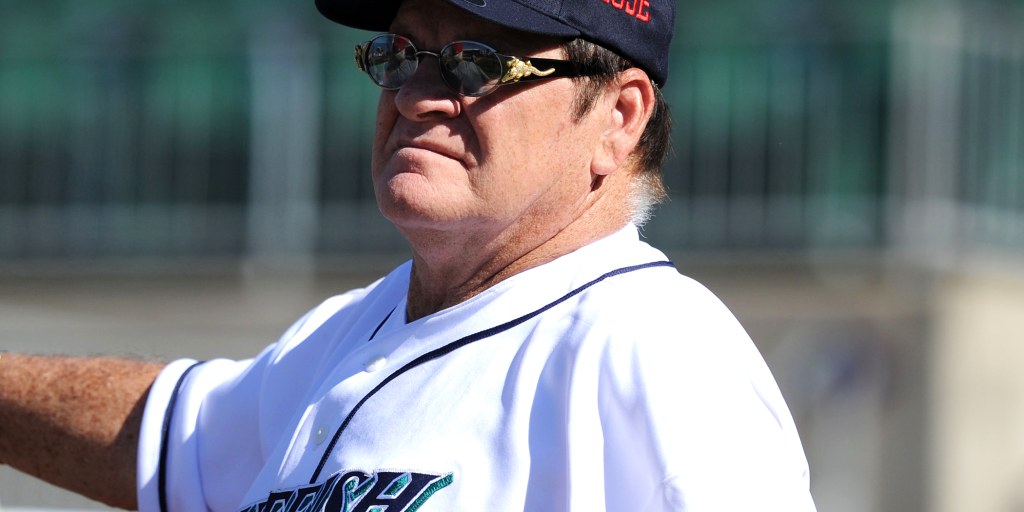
<point>376,364</point>
<point>321,435</point>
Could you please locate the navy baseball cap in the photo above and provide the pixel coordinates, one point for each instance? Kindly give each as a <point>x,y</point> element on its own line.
<point>639,30</point>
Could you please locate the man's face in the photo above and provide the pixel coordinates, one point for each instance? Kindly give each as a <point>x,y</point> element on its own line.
<point>511,163</point>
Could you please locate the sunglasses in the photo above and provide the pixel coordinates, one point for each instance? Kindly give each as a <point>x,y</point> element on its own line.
<point>468,68</point>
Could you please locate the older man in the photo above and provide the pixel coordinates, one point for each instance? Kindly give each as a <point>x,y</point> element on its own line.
<point>534,354</point>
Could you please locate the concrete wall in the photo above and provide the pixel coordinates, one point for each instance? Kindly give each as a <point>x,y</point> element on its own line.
<point>977,376</point>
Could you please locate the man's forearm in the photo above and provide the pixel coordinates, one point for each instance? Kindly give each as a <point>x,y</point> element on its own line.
<point>74,422</point>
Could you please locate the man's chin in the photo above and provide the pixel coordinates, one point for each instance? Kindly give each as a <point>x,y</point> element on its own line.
<point>410,217</point>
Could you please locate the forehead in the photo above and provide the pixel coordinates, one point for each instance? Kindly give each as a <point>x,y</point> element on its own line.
<point>434,23</point>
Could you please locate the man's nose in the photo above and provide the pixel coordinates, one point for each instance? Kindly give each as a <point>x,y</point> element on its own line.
<point>425,94</point>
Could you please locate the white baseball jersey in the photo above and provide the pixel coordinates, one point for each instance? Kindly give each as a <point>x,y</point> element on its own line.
<point>601,381</point>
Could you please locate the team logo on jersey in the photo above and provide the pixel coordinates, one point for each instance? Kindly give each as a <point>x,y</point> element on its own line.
<point>356,491</point>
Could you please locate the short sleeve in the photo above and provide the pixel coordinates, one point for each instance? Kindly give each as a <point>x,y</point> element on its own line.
<point>207,426</point>
<point>170,448</point>
<point>688,401</point>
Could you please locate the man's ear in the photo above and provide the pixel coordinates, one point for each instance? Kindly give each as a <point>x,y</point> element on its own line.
<point>629,105</point>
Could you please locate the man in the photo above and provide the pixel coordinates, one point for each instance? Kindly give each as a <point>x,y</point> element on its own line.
<point>533,355</point>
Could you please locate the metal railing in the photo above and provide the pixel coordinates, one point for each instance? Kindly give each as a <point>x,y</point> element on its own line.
<point>259,147</point>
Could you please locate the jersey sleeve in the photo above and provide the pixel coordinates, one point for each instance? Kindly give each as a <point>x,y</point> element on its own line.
<point>208,426</point>
<point>689,406</point>
<point>170,436</point>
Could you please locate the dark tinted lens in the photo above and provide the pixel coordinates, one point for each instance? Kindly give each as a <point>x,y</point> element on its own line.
<point>390,60</point>
<point>470,68</point>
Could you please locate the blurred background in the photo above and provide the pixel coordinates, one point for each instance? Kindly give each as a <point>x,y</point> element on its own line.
<point>187,178</point>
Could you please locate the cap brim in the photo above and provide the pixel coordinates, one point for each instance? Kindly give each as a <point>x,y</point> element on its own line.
<point>507,14</point>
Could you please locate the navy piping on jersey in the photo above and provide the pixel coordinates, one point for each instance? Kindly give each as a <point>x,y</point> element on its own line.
<point>455,345</point>
<point>382,322</point>
<point>165,435</point>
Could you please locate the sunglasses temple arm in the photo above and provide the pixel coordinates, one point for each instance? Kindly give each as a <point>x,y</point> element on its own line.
<point>540,69</point>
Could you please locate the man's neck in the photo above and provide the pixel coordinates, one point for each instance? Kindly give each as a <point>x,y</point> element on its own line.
<point>448,270</point>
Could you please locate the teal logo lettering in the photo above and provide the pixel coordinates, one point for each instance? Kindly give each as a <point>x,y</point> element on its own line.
<point>356,491</point>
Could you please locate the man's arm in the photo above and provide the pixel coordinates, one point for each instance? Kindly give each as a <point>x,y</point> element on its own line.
<point>74,422</point>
